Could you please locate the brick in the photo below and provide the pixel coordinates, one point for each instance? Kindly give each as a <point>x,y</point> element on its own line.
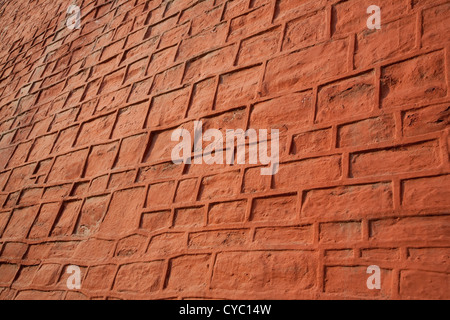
<point>203,66</point>
<point>166,244</point>
<point>393,40</point>
<point>57,192</point>
<point>153,221</point>
<point>410,158</point>
<point>91,215</point>
<point>39,295</point>
<point>67,218</point>
<point>68,166</point>
<point>161,60</point>
<point>426,192</point>
<point>418,79</point>
<point>20,222</point>
<point>101,159</point>
<point>99,277</point>
<point>42,225</point>
<point>261,45</point>
<point>65,140</point>
<point>255,182</point>
<point>250,22</point>
<point>343,232</point>
<point>305,31</point>
<point>218,239</point>
<point>120,217</point>
<point>279,208</point>
<point>429,255</point>
<point>381,254</point>
<point>312,141</point>
<point>189,217</point>
<point>222,185</point>
<point>211,38</point>
<point>228,212</point>
<point>347,202</point>
<point>132,246</point>
<point>101,126</point>
<point>282,74</point>
<point>354,281</point>
<point>312,172</point>
<point>130,151</point>
<point>408,229</point>
<point>289,9</point>
<point>160,194</point>
<point>211,18</point>
<point>130,120</point>
<point>188,272</point>
<point>14,250</point>
<point>8,271</point>
<point>139,277</point>
<point>349,17</point>
<point>166,170</point>
<point>159,115</point>
<point>94,250</point>
<point>423,285</point>
<point>425,120</point>
<point>250,271</point>
<point>184,191</point>
<point>121,179</point>
<point>346,98</point>
<point>237,88</point>
<point>366,132</point>
<point>282,236</point>
<point>47,275</point>
<point>167,80</point>
<point>434,20</point>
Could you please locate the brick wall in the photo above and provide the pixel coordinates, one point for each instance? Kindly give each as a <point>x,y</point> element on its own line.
<point>86,176</point>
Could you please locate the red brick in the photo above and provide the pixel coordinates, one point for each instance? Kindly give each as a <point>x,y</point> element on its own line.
<point>366,132</point>
<point>347,98</point>
<point>435,25</point>
<point>139,277</point>
<point>218,239</point>
<point>312,171</point>
<point>305,31</point>
<point>244,271</point>
<point>279,208</point>
<point>120,217</point>
<point>416,284</point>
<point>228,212</point>
<point>203,66</point>
<point>68,167</point>
<point>20,222</point>
<point>283,236</point>
<point>410,158</point>
<point>411,228</point>
<point>353,280</point>
<point>347,202</point>
<point>282,74</point>
<point>188,272</point>
<point>153,221</point>
<point>343,232</point>
<point>418,79</point>
<point>425,120</point>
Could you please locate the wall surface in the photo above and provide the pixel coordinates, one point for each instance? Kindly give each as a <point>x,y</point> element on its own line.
<point>87,178</point>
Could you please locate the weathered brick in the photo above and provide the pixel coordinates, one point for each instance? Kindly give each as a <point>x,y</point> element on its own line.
<point>243,271</point>
<point>418,79</point>
<point>410,158</point>
<point>304,68</point>
<point>347,202</point>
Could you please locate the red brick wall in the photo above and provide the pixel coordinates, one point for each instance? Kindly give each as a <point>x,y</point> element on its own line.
<point>86,176</point>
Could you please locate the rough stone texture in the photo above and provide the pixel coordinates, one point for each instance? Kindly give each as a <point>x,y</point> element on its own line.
<point>86,177</point>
